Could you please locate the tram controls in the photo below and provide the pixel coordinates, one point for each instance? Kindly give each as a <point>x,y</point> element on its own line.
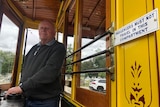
<point>12,100</point>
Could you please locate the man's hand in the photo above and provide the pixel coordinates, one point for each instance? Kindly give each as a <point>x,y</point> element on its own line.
<point>14,90</point>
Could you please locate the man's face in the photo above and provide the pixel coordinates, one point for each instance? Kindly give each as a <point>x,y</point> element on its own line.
<point>46,32</point>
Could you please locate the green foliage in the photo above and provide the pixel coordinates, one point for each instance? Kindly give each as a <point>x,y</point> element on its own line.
<point>7,61</point>
<point>69,59</point>
<point>94,63</point>
<point>100,61</point>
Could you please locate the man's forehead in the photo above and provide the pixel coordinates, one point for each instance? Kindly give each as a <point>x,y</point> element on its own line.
<point>46,23</point>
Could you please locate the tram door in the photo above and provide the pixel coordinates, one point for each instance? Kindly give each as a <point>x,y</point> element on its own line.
<point>137,64</point>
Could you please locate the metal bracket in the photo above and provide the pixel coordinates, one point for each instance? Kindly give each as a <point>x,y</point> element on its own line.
<point>111,70</point>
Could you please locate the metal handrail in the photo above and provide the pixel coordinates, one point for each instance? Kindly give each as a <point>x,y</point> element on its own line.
<point>109,51</point>
<point>94,40</point>
<point>109,70</point>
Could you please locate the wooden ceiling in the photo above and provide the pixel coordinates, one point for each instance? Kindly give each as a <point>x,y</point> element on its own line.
<point>93,19</point>
<point>38,9</point>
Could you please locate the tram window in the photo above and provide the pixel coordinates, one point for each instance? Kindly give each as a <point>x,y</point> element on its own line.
<point>31,38</point>
<point>8,43</point>
<point>93,63</point>
<point>68,78</point>
<point>93,48</point>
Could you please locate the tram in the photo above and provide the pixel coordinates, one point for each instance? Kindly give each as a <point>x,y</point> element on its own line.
<point>113,49</point>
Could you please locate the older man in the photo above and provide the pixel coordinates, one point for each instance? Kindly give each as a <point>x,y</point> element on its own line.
<point>40,79</point>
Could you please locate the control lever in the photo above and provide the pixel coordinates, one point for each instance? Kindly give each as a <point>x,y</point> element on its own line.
<point>14,97</point>
<point>10,96</point>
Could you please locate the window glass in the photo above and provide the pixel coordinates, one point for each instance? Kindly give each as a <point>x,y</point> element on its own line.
<point>69,68</point>
<point>8,43</point>
<point>96,62</point>
<point>31,38</point>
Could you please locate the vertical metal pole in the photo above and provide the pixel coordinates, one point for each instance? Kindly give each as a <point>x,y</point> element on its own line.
<point>77,45</point>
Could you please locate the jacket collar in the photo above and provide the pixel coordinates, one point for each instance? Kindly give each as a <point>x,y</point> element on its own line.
<point>48,44</point>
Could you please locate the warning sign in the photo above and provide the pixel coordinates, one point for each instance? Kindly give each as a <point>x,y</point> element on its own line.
<point>140,27</point>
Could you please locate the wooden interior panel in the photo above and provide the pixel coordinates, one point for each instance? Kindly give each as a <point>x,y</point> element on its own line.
<point>91,98</point>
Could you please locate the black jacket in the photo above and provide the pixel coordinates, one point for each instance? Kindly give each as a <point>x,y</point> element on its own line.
<point>41,72</point>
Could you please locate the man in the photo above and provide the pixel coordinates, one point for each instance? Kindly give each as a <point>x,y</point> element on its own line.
<point>40,78</point>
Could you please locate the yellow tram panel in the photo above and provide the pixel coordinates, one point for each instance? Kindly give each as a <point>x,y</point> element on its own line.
<point>136,60</point>
<point>157,5</point>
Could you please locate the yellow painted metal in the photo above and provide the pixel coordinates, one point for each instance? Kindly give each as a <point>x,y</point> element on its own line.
<point>153,69</point>
<point>28,23</point>
<point>76,47</point>
<point>157,5</point>
<point>154,41</point>
<point>61,13</point>
<point>138,71</point>
<point>136,61</point>
<point>133,9</point>
<point>60,17</point>
<point>118,14</point>
<point>20,59</point>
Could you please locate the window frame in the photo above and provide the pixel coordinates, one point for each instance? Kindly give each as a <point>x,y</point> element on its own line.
<point>8,11</point>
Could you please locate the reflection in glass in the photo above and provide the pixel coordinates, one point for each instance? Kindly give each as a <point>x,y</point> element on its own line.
<point>8,44</point>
